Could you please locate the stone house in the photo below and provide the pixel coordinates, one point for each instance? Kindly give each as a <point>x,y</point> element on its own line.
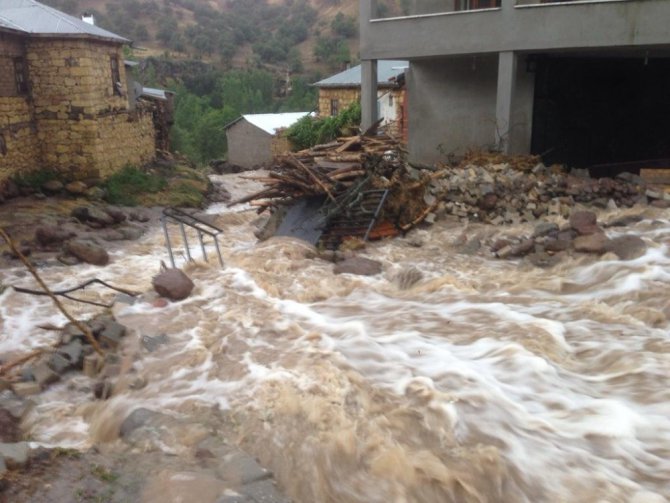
<point>581,82</point>
<point>339,91</point>
<point>64,98</point>
<point>255,139</point>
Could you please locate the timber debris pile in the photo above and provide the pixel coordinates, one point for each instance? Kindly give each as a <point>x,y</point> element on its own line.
<point>341,178</point>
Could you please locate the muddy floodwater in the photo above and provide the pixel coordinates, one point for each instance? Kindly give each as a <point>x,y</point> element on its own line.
<point>485,381</point>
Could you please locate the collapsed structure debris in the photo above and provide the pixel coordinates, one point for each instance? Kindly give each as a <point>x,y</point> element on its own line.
<point>361,187</point>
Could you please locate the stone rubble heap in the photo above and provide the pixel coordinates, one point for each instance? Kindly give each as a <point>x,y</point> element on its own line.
<point>502,194</point>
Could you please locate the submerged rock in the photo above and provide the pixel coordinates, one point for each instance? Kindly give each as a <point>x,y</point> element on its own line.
<point>627,247</point>
<point>173,284</point>
<point>592,243</point>
<point>358,265</point>
<point>88,252</point>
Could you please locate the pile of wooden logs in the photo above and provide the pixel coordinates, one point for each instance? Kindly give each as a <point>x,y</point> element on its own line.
<point>328,170</point>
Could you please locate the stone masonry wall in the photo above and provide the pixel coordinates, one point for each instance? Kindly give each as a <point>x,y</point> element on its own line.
<point>85,128</point>
<point>345,95</point>
<point>18,144</point>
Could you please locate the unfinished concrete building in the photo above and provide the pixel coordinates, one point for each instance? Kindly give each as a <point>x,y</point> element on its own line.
<point>584,82</point>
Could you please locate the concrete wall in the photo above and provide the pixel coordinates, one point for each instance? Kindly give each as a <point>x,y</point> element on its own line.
<point>248,146</point>
<point>574,26</point>
<point>453,107</point>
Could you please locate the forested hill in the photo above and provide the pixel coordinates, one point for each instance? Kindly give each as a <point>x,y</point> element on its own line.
<point>230,57</point>
<point>301,35</point>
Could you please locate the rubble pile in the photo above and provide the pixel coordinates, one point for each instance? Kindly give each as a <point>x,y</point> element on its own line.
<point>509,192</point>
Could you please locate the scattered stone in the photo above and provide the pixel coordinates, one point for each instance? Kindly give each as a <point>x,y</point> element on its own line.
<point>44,374</point>
<point>244,469</point>
<point>592,243</point>
<point>139,216</point>
<point>131,233</point>
<point>138,383</point>
<point>625,221</point>
<point>584,222</point>
<point>151,344</point>
<point>95,193</point>
<point>73,352</point>
<point>18,407</point>
<point>15,454</point>
<point>543,259</point>
<point>68,260</point>
<point>112,334</point>
<point>660,203</point>
<point>92,365</point>
<point>113,235</point>
<point>123,298</point>
<point>557,245</point>
<point>545,228</point>
<point>87,251</point>
<point>173,284</point>
<point>26,388</point>
<point>48,235</point>
<point>76,188</point>
<point>52,186</point>
<point>92,216</point>
<point>358,265</point>
<point>117,215</point>
<point>59,363</point>
<point>517,250</point>
<point>627,247</point>
<point>264,491</point>
<point>160,302</point>
<point>137,419</point>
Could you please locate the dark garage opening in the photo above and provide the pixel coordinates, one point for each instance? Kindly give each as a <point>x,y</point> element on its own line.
<point>593,111</point>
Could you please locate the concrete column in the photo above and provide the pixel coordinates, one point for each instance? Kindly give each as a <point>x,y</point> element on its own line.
<point>504,129</point>
<point>367,10</point>
<point>368,93</point>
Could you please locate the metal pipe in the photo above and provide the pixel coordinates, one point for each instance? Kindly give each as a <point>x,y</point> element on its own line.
<point>202,246</point>
<point>183,235</point>
<point>167,241</point>
<point>218,250</point>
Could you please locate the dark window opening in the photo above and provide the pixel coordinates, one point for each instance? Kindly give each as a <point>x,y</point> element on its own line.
<point>475,4</point>
<point>334,107</point>
<point>20,75</point>
<point>116,75</point>
<point>591,112</point>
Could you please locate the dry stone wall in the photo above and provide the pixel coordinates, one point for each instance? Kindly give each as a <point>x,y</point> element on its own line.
<point>76,120</point>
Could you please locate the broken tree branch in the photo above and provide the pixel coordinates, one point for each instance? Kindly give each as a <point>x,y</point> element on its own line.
<point>85,330</point>
<point>64,293</point>
<point>20,361</point>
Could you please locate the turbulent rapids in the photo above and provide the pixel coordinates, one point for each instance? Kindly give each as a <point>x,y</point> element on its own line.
<point>485,381</point>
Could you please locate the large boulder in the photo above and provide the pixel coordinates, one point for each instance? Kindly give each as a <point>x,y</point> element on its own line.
<point>173,284</point>
<point>627,247</point>
<point>358,265</point>
<point>592,243</point>
<point>87,251</point>
<point>49,235</point>
<point>92,216</point>
<point>584,222</point>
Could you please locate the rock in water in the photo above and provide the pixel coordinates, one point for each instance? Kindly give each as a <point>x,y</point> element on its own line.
<point>627,247</point>
<point>87,252</point>
<point>584,222</point>
<point>358,265</point>
<point>173,284</point>
<point>593,243</point>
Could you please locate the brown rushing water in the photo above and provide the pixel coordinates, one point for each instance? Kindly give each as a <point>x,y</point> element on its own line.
<point>487,381</point>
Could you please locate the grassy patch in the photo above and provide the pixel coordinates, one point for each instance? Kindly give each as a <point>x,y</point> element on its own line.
<point>35,179</point>
<point>125,186</point>
<point>103,474</point>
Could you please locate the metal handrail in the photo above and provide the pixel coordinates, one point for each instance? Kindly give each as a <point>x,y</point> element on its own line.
<point>184,219</point>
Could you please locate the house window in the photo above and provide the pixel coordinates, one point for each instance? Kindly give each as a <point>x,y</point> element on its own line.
<point>116,75</point>
<point>334,107</point>
<point>475,4</point>
<point>20,76</point>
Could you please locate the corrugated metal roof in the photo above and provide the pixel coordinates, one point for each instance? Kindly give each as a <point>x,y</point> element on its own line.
<point>152,92</point>
<point>387,70</point>
<point>35,18</point>
<point>270,123</point>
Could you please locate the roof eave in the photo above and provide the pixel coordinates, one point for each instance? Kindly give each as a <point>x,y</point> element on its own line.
<point>87,36</point>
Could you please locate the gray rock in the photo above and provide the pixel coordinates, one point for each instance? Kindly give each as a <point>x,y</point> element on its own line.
<point>358,265</point>
<point>76,188</point>
<point>112,333</point>
<point>234,497</point>
<point>517,250</point>
<point>123,298</point>
<point>95,193</point>
<point>48,235</point>
<point>543,260</point>
<point>139,216</point>
<point>584,222</point>
<point>151,344</point>
<point>88,252</point>
<point>243,469</point>
<point>544,228</point>
<point>73,352</point>
<point>116,214</point>
<point>17,407</point>
<point>26,388</point>
<point>592,243</point>
<point>557,245</point>
<point>52,186</point>
<point>69,260</point>
<point>264,491</point>
<point>625,221</point>
<point>173,284</point>
<point>44,374</point>
<point>16,455</point>
<point>137,419</point>
<point>113,235</point>
<point>131,233</point>
<point>92,216</point>
<point>627,247</point>
<point>59,363</point>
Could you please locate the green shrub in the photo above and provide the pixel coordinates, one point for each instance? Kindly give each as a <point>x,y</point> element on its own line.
<point>310,131</point>
<point>124,186</point>
<point>35,179</point>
